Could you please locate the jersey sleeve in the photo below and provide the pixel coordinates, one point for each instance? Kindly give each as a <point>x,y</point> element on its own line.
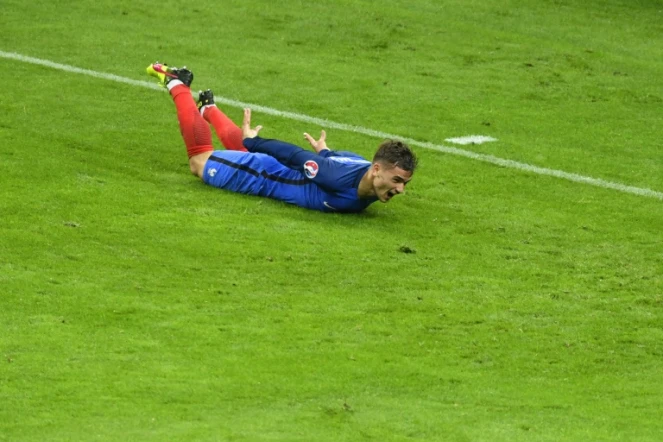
<point>328,174</point>
<point>340,153</point>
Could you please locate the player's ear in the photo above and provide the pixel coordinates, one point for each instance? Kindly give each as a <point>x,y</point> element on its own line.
<point>376,167</point>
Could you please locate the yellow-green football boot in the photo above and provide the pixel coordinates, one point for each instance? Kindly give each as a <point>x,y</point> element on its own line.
<point>165,74</point>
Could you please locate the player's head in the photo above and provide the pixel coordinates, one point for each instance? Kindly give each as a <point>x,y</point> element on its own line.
<point>393,166</point>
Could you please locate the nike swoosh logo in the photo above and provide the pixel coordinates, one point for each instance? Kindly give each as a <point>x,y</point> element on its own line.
<point>328,206</point>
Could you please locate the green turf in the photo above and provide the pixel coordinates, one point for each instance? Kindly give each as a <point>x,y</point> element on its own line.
<point>138,304</point>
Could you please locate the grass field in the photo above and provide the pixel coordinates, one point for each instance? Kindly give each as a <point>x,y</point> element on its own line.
<point>138,304</point>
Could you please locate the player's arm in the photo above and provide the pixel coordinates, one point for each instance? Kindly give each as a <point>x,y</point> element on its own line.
<point>325,173</point>
<point>322,171</point>
<point>321,148</point>
<point>287,154</point>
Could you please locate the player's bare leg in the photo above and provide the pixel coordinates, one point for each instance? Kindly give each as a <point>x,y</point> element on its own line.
<point>197,163</point>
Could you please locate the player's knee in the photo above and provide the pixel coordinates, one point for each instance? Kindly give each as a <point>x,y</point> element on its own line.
<point>197,164</point>
<point>197,168</point>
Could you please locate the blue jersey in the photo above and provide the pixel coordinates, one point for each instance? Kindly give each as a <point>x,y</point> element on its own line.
<point>327,181</point>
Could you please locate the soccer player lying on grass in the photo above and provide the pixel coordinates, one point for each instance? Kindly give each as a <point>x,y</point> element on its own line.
<point>327,180</point>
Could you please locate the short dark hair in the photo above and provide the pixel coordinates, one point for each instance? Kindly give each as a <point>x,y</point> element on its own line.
<point>397,154</point>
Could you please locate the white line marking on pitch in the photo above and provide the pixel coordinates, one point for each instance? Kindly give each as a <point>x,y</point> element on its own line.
<point>358,129</point>
<point>471,139</point>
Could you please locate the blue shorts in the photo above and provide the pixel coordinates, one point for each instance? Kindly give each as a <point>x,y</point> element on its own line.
<point>256,174</point>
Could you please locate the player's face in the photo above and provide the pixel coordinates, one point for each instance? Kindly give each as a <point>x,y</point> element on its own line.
<point>389,181</point>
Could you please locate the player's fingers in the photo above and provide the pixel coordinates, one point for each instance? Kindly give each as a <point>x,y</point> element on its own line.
<point>258,129</point>
<point>323,135</point>
<point>247,118</point>
<point>310,139</point>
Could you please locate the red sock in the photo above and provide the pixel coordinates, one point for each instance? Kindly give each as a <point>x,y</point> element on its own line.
<point>227,131</point>
<point>194,129</point>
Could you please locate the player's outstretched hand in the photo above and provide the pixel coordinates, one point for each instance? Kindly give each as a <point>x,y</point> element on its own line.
<point>247,132</point>
<point>318,145</point>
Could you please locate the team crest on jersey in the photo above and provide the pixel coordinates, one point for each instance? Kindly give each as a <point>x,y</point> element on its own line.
<point>311,169</point>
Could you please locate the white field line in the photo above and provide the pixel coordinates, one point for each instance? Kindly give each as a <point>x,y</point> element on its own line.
<point>357,129</point>
<point>471,139</point>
